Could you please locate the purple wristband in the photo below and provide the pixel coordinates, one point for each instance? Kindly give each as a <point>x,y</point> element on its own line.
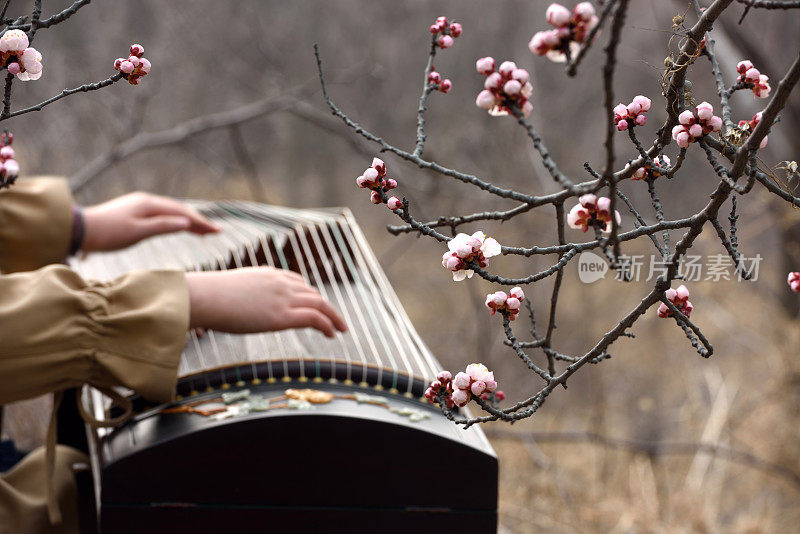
<point>78,230</point>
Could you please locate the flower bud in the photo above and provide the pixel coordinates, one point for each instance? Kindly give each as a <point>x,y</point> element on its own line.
<point>137,50</point>
<point>445,41</point>
<point>512,87</point>
<point>686,118</point>
<point>462,381</point>
<point>485,99</point>
<point>557,15</point>
<point>444,377</point>
<point>507,67</point>
<point>375,198</point>
<point>394,203</point>
<point>460,397</point>
<point>445,86</point>
<point>478,387</point>
<point>485,65</point>
<point>456,29</point>
<point>434,77</point>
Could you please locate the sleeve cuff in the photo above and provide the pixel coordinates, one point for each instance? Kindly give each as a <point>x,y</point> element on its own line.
<point>35,223</point>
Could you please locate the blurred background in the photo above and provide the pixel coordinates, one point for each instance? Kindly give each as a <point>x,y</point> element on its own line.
<point>630,461</point>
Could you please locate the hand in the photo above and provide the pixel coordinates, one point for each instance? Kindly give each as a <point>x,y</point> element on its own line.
<point>130,218</point>
<point>260,299</point>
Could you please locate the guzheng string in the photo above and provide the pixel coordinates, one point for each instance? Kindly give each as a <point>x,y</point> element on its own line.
<point>330,251</point>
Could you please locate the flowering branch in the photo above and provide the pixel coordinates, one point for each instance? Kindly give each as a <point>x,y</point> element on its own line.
<point>506,91</point>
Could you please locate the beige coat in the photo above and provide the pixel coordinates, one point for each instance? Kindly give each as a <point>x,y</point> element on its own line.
<point>59,331</point>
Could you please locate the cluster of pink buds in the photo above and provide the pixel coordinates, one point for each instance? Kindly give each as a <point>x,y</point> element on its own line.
<point>135,66</point>
<point>592,212</point>
<point>506,304</point>
<point>508,87</point>
<point>374,179</point>
<point>446,31</point>
<point>18,58</point>
<point>694,125</point>
<point>633,114</point>
<point>749,74</point>
<point>571,30</point>
<point>477,380</point>
<point>9,168</point>
<point>434,78</point>
<point>680,299</point>
<point>794,282</point>
<point>442,384</point>
<point>751,125</point>
<point>464,248</point>
<point>642,172</point>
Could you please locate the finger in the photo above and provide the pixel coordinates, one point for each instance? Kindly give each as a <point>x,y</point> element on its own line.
<point>161,224</point>
<point>315,301</point>
<point>158,205</point>
<point>309,317</point>
<point>293,275</point>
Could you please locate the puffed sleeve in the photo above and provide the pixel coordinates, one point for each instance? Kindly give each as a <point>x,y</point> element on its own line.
<point>35,223</point>
<point>58,331</point>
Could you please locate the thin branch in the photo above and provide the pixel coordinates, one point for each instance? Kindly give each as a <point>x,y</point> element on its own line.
<point>66,92</point>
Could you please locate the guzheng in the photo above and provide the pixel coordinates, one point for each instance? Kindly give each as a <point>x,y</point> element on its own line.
<point>290,431</point>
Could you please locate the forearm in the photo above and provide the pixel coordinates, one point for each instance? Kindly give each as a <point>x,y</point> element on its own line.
<point>59,331</point>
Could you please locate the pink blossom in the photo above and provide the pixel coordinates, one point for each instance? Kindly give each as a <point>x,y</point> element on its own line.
<point>794,281</point>
<point>462,381</point>
<point>6,153</point>
<point>506,304</point>
<point>686,118</point>
<point>507,68</point>
<point>11,168</point>
<point>592,212</point>
<point>750,125</point>
<point>680,299</point>
<point>704,111</point>
<point>485,65</point>
<point>478,371</point>
<point>571,29</point>
<point>460,397</point>
<point>493,81</point>
<point>512,87</point>
<point>13,68</point>
<point>456,29</point>
<point>445,41</point>
<point>137,50</point>
<point>485,99</point>
<point>643,102</point>
<point>14,41</point>
<point>505,89</point>
<point>521,75</point>
<point>558,15</point>
<point>749,74</point>
<point>464,248</point>
<point>478,387</point>
<point>584,11</point>
<point>394,203</point>
<point>694,125</point>
<point>762,88</point>
<point>126,67</point>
